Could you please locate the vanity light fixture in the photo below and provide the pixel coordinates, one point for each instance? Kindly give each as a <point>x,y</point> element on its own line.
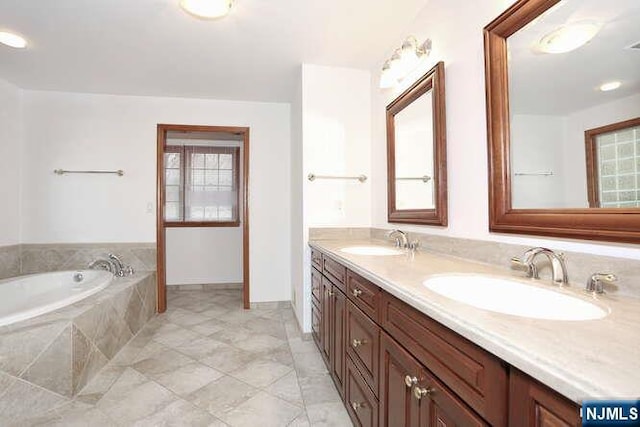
<point>12,40</point>
<point>207,9</point>
<point>606,87</point>
<point>568,37</point>
<point>403,61</point>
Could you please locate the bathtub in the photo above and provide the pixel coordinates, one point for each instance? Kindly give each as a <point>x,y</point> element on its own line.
<point>25,297</point>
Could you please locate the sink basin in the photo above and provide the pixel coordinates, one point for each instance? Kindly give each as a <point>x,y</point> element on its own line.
<point>514,297</point>
<point>371,250</point>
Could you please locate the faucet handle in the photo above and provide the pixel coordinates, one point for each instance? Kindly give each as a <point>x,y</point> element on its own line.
<point>529,267</point>
<point>595,283</point>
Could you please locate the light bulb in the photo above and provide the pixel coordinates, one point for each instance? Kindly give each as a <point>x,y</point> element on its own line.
<point>610,86</point>
<point>207,9</point>
<point>12,40</point>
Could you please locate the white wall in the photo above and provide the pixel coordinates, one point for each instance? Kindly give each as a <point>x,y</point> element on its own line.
<point>10,142</point>
<point>455,26</point>
<point>82,131</point>
<point>204,255</point>
<point>537,146</point>
<point>336,140</point>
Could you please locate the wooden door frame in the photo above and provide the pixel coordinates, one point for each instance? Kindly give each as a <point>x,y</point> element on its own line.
<point>162,130</point>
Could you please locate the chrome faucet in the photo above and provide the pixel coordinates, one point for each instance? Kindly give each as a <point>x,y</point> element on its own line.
<point>558,266</point>
<point>400,238</point>
<point>595,283</point>
<point>103,264</point>
<point>119,264</point>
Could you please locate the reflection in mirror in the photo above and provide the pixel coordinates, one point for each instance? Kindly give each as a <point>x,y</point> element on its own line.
<point>416,153</point>
<point>572,70</point>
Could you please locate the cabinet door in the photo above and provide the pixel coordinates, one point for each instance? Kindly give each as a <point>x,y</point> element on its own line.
<point>410,396</point>
<point>534,405</point>
<point>326,335</point>
<point>339,307</point>
<point>398,373</point>
<point>316,324</point>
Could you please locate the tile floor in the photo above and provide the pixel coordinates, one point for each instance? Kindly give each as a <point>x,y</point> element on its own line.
<point>207,362</point>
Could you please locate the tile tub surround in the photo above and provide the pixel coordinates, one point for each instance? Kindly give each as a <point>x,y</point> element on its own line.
<point>582,359</point>
<point>208,362</point>
<point>9,261</point>
<point>40,258</point>
<point>51,357</point>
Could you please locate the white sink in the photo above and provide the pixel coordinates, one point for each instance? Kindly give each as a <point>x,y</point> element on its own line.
<point>371,250</point>
<point>514,297</point>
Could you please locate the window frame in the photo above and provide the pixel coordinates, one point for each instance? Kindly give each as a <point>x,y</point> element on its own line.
<point>183,163</point>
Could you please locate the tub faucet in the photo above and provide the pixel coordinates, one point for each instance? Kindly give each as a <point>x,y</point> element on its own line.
<point>103,264</point>
<point>558,266</point>
<point>400,238</point>
<point>595,284</point>
<point>121,269</point>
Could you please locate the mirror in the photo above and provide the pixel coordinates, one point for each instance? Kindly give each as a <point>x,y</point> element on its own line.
<point>416,153</point>
<point>563,116</point>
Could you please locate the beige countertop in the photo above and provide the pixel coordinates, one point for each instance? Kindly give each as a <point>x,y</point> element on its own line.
<point>580,359</point>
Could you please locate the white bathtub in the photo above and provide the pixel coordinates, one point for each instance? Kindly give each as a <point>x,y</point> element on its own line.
<point>25,297</point>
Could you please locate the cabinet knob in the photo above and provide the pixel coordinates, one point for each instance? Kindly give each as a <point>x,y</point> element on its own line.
<point>420,392</point>
<point>410,381</point>
<point>357,405</point>
<point>357,343</point>
<point>356,292</point>
<point>330,293</point>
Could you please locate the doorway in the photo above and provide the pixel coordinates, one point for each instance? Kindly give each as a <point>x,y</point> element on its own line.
<point>182,202</point>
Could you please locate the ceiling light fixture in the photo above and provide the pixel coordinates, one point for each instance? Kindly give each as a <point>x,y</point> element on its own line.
<point>12,40</point>
<point>568,37</point>
<point>207,9</point>
<point>403,61</point>
<point>610,86</point>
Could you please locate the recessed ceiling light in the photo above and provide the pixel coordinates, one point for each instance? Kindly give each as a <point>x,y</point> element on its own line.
<point>568,37</point>
<point>610,86</point>
<point>207,9</point>
<point>12,40</point>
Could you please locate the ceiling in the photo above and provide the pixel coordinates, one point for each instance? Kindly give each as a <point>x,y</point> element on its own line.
<point>559,84</point>
<point>152,47</point>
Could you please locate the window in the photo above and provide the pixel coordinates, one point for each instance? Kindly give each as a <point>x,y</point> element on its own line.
<point>613,173</point>
<point>201,184</point>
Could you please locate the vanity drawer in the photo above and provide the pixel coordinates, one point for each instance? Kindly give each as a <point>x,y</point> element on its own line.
<point>362,405</point>
<point>478,377</point>
<point>334,271</point>
<point>364,294</point>
<point>363,344</point>
<point>316,259</point>
<point>316,286</point>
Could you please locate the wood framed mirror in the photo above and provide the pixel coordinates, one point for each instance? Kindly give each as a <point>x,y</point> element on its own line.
<point>416,153</point>
<point>542,99</point>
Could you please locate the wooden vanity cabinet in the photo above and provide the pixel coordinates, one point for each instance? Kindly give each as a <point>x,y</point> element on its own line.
<point>535,405</point>
<point>395,366</point>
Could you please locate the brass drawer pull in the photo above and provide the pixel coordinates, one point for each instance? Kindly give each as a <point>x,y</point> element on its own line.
<point>357,405</point>
<point>420,392</point>
<point>357,343</point>
<point>330,293</point>
<point>410,381</point>
<point>356,292</point>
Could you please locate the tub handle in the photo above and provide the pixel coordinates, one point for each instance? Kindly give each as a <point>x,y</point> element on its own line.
<point>78,277</point>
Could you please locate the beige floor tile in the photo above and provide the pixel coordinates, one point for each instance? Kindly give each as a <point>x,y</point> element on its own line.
<point>318,389</point>
<point>287,388</point>
<point>259,343</point>
<point>188,378</point>
<point>161,362</point>
<point>309,364</point>
<point>262,410</point>
<point>228,359</point>
<point>200,347</point>
<point>328,415</point>
<point>180,414</point>
<point>209,327</point>
<point>260,373</point>
<point>222,395</point>
<point>134,397</point>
